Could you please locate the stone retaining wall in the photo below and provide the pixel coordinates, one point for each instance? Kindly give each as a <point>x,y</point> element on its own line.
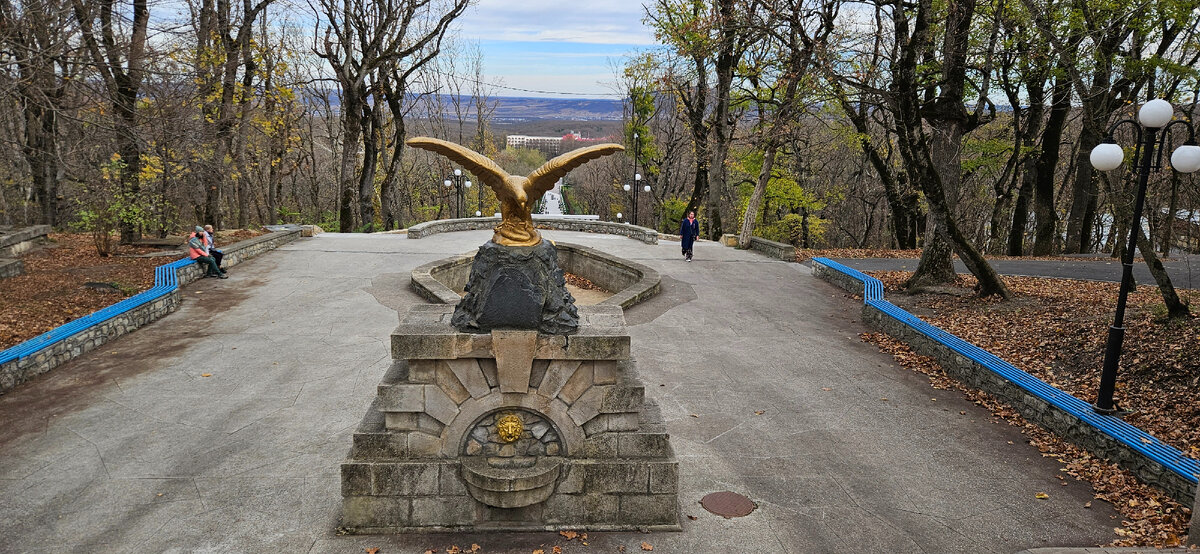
<point>11,268</point>
<point>422,230</point>
<point>239,252</point>
<point>1194,533</point>
<point>1033,408</point>
<point>20,370</point>
<point>15,244</point>
<point>777,250</point>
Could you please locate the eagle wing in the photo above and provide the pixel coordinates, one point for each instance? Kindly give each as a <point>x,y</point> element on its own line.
<point>488,171</point>
<point>543,178</point>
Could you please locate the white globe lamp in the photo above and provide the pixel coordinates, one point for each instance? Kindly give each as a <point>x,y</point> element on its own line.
<point>1156,113</point>
<point>1186,158</point>
<point>1107,156</point>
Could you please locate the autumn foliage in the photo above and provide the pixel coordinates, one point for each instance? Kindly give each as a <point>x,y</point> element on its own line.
<point>1056,329</point>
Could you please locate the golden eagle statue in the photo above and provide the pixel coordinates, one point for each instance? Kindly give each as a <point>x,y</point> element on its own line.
<point>517,194</point>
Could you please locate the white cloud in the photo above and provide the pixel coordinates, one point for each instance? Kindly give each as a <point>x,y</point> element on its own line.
<point>611,22</point>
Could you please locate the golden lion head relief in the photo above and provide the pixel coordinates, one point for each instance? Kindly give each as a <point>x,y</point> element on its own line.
<point>509,428</point>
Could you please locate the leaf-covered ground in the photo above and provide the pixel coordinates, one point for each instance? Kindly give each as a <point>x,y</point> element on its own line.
<point>1056,330</point>
<point>51,291</point>
<point>804,254</point>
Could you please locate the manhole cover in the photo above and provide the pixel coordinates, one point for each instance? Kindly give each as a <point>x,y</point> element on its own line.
<point>728,504</point>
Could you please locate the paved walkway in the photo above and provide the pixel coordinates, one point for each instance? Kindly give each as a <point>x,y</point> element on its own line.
<point>132,449</point>
<point>1184,270</point>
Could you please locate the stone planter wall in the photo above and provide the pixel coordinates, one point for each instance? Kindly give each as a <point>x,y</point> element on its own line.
<point>442,281</point>
<point>422,230</point>
<point>61,347</point>
<point>1152,461</point>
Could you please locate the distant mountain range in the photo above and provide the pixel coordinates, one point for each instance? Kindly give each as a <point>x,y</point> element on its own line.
<point>517,109</point>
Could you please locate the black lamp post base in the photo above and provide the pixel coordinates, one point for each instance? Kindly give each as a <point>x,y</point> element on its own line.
<point>1113,411</point>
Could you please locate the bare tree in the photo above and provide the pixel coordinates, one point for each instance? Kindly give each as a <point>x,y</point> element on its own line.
<point>366,42</point>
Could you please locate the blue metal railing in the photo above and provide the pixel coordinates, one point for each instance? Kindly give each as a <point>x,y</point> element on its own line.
<point>1116,428</point>
<point>166,280</point>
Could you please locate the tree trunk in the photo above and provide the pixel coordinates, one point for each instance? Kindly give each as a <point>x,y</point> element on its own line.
<point>1168,226</point>
<point>351,129</point>
<point>1176,309</point>
<point>760,188</point>
<point>1047,164</point>
<point>1028,165</point>
<point>936,266</point>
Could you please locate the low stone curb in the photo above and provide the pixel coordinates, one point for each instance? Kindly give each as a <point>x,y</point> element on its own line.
<point>28,359</point>
<point>769,248</point>
<point>11,268</point>
<point>15,244</point>
<point>422,230</point>
<point>1154,462</point>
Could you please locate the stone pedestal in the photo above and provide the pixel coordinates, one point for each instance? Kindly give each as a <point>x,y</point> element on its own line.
<point>510,430</point>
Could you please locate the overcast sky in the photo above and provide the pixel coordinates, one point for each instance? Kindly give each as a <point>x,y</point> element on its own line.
<point>555,45</point>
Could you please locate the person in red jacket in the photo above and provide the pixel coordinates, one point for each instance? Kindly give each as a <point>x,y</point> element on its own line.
<point>198,251</point>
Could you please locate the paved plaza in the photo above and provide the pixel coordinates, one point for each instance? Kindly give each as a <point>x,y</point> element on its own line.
<point>755,364</point>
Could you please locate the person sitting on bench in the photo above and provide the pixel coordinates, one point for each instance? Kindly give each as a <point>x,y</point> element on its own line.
<point>198,251</point>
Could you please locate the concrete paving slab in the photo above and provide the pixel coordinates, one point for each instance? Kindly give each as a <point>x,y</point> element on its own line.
<point>296,341</point>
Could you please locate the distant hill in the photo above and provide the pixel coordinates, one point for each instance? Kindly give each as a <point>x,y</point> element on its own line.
<point>516,109</point>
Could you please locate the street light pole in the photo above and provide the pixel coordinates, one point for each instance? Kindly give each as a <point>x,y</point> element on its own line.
<point>458,183</point>
<point>1154,116</point>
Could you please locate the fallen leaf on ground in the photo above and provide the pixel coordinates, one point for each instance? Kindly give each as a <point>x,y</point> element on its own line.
<point>558,550</point>
<point>475,547</point>
<point>206,375</point>
<point>693,415</point>
<point>646,546</point>
<point>454,549</point>
<point>1041,496</point>
<point>371,549</point>
<point>568,534</point>
<point>539,551</point>
<point>826,389</point>
<point>759,412</point>
<point>693,518</point>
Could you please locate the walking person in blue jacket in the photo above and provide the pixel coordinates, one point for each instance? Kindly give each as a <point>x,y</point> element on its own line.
<point>689,229</point>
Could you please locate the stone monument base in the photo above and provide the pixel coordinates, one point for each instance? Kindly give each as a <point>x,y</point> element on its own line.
<point>517,287</point>
<point>510,430</point>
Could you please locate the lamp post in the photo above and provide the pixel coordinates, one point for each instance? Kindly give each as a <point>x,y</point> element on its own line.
<point>478,201</point>
<point>1152,127</point>
<point>458,182</point>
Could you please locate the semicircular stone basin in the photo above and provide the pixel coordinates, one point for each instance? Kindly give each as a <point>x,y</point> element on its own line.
<point>443,281</point>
